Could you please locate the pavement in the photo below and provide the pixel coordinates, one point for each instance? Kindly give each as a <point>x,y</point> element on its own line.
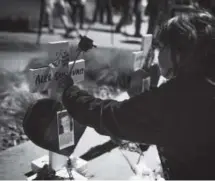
<point>17,49</point>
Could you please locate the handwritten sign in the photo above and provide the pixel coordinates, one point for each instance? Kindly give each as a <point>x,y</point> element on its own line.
<point>43,78</point>
<point>47,78</point>
<point>139,57</point>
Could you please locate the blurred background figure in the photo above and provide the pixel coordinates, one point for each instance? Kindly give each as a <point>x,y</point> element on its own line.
<point>130,8</point>
<point>103,7</point>
<point>78,11</point>
<point>98,12</point>
<point>57,8</point>
<point>138,17</point>
<point>155,11</point>
<point>152,12</point>
<point>126,16</point>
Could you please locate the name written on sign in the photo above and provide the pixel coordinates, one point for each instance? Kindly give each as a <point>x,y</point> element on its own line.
<point>40,79</point>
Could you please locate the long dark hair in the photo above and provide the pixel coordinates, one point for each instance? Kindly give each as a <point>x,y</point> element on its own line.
<point>192,35</point>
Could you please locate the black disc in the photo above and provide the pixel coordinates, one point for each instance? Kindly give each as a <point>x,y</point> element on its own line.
<point>40,125</point>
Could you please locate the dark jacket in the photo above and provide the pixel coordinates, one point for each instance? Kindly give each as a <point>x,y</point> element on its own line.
<point>178,117</point>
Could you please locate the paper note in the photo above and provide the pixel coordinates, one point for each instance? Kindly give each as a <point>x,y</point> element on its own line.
<point>65,129</point>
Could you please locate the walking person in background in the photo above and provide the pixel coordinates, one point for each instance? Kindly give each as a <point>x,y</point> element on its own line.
<point>98,11</point>
<point>78,10</point>
<point>130,8</point>
<point>57,8</point>
<point>103,7</point>
<point>108,10</point>
<point>138,17</point>
<point>127,14</point>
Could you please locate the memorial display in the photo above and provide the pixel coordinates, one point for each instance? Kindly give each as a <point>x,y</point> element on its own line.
<point>46,122</point>
<point>49,126</point>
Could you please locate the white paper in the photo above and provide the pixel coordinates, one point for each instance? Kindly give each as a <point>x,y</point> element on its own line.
<point>65,129</point>
<point>139,60</point>
<point>146,43</point>
<point>139,57</point>
<point>58,53</point>
<point>43,78</point>
<point>47,77</point>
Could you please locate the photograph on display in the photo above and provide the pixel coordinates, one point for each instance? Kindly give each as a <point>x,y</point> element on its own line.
<point>65,129</point>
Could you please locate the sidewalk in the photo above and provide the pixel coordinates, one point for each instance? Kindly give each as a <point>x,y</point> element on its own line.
<point>17,49</point>
<point>96,31</point>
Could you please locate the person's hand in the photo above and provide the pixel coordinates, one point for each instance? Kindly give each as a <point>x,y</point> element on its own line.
<point>65,81</point>
<point>85,44</point>
<point>136,82</point>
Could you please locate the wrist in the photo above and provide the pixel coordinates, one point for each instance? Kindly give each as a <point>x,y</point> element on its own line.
<point>67,87</point>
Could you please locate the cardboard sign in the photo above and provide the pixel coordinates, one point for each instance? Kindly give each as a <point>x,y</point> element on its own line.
<point>65,129</point>
<point>43,78</point>
<point>146,43</point>
<point>47,78</point>
<point>139,59</point>
<point>140,56</point>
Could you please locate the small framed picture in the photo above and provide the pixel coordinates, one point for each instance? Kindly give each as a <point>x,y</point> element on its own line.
<point>146,84</point>
<point>65,129</point>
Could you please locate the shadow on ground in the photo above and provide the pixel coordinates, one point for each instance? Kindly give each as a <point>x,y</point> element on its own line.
<point>131,41</point>
<point>110,30</point>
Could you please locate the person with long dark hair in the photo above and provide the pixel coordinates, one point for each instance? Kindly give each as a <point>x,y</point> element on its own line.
<point>127,14</point>
<point>178,116</point>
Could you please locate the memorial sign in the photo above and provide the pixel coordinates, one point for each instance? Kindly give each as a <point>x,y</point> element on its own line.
<point>139,57</point>
<point>46,78</point>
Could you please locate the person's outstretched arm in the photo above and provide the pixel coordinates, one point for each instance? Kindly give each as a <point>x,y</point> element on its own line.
<point>136,119</point>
